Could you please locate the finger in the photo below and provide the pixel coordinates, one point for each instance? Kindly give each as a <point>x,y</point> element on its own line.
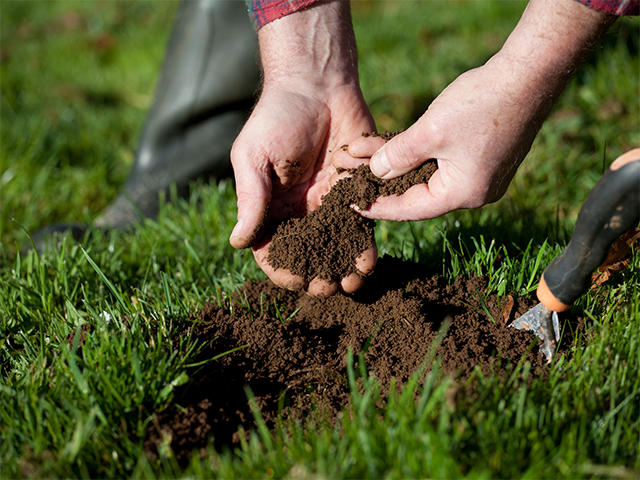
<point>357,152</point>
<point>281,277</point>
<point>322,288</point>
<point>365,147</point>
<point>352,283</point>
<point>403,153</point>
<point>365,263</point>
<point>417,203</point>
<point>336,177</point>
<point>253,188</point>
<point>367,260</point>
<point>343,160</point>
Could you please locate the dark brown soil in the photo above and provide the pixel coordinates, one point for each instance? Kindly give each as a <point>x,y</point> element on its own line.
<point>295,349</point>
<point>326,243</point>
<point>292,348</point>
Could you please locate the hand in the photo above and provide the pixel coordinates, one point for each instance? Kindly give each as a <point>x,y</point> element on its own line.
<point>478,136</point>
<point>282,164</point>
<point>481,127</point>
<point>311,105</point>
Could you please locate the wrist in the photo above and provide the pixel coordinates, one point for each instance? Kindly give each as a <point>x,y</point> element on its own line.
<point>315,47</point>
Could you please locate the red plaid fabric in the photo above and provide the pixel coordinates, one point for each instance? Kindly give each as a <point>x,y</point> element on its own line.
<point>614,7</point>
<point>265,11</point>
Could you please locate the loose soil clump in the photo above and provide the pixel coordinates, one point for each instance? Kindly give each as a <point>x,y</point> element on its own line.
<point>294,349</point>
<point>326,242</point>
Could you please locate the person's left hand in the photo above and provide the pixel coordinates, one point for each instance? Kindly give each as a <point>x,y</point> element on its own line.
<point>477,129</point>
<point>480,128</point>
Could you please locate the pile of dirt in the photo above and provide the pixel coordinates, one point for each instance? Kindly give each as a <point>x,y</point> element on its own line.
<point>291,349</point>
<point>326,242</point>
<point>294,348</point>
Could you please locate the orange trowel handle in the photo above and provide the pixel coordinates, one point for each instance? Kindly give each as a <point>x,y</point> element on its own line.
<point>612,207</point>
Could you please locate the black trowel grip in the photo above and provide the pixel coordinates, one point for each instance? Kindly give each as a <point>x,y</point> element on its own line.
<point>612,207</point>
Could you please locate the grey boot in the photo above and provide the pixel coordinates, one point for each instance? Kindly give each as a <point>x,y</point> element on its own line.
<point>206,88</point>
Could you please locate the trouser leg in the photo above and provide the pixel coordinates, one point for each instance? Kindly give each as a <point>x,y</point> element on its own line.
<point>206,86</point>
<point>205,89</point>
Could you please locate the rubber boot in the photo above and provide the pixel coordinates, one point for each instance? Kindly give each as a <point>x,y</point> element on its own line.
<point>206,88</point>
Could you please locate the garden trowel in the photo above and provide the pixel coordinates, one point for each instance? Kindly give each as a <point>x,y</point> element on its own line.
<point>612,207</point>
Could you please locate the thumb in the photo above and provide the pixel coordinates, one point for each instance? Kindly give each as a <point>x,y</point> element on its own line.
<point>254,196</point>
<point>402,154</point>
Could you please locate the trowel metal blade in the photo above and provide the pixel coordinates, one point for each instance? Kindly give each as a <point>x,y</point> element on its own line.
<point>543,323</point>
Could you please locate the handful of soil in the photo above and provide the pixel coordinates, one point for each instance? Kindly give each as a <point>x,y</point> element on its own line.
<point>326,243</point>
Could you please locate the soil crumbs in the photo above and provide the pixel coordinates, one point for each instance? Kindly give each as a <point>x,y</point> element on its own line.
<point>294,349</point>
<point>326,242</point>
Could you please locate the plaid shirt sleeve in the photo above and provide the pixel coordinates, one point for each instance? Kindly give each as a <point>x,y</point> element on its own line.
<point>614,7</point>
<point>265,11</point>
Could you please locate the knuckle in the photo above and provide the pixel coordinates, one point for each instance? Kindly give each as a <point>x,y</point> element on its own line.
<point>436,133</point>
<point>404,154</point>
<point>248,151</point>
<point>478,197</point>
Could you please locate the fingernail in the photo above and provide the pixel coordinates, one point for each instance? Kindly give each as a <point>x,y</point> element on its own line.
<point>380,164</point>
<point>236,229</point>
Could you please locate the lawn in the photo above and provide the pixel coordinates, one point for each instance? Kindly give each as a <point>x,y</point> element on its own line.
<point>77,78</point>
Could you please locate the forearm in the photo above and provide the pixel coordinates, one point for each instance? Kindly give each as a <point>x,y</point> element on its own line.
<point>545,49</point>
<point>314,47</point>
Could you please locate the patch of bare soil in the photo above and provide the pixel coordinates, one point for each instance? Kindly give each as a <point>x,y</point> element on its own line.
<point>295,347</point>
<point>295,356</point>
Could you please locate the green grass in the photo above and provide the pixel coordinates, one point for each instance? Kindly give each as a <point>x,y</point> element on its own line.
<point>77,392</point>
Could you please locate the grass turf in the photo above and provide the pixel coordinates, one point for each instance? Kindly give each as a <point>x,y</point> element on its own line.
<point>76,81</point>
